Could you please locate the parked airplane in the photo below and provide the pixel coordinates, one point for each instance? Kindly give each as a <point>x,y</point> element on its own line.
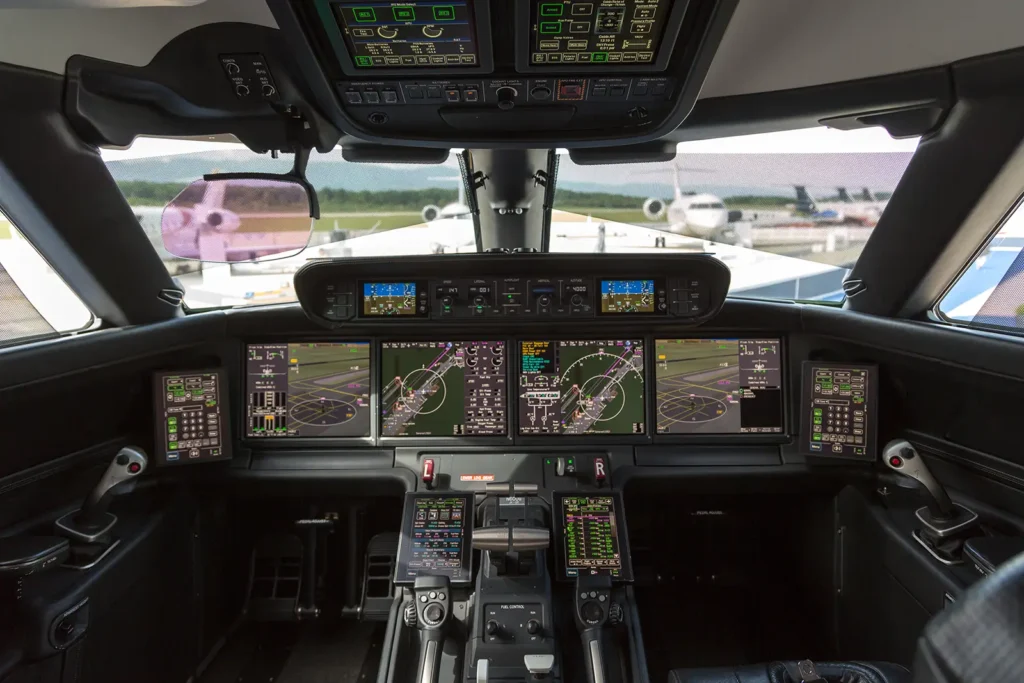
<point>696,215</point>
<point>866,210</point>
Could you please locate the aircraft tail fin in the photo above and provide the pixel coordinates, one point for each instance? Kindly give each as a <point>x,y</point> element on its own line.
<point>844,196</point>
<point>804,201</point>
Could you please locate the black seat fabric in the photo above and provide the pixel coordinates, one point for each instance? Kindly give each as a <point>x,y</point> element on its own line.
<point>775,672</point>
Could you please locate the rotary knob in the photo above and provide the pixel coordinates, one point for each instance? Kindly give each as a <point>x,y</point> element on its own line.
<point>410,615</point>
<point>533,627</point>
<point>506,97</point>
<point>492,628</point>
<point>614,614</point>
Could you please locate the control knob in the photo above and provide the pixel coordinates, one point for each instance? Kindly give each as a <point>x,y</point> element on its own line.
<point>533,627</point>
<point>614,614</point>
<point>506,97</point>
<point>492,628</point>
<point>479,300</point>
<point>544,299</point>
<point>410,615</point>
<point>447,301</point>
<point>576,300</point>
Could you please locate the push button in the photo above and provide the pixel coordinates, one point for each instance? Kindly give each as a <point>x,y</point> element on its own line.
<point>452,95</point>
<point>353,97</point>
<point>434,92</point>
<point>390,97</point>
<point>471,95</point>
<point>372,97</point>
<point>415,92</point>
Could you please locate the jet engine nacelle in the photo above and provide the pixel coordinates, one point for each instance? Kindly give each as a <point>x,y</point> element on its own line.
<point>430,213</point>
<point>654,208</point>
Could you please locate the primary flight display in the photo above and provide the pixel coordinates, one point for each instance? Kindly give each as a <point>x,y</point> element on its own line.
<point>443,388</point>
<point>308,390</point>
<point>581,387</point>
<point>719,386</point>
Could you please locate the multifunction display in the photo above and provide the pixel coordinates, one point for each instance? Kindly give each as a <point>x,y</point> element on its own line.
<point>435,537</point>
<point>431,35</point>
<point>190,421</point>
<point>593,536</point>
<point>581,387</point>
<point>384,299</point>
<point>839,409</point>
<point>308,390</point>
<point>629,296</point>
<point>596,32</point>
<point>718,386</point>
<point>443,388</point>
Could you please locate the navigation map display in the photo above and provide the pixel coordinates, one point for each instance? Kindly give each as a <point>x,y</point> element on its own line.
<point>409,34</point>
<point>593,536</point>
<point>627,296</point>
<point>308,390</point>
<point>719,386</point>
<point>839,411</point>
<point>597,32</point>
<point>443,388</point>
<point>435,538</point>
<point>581,387</point>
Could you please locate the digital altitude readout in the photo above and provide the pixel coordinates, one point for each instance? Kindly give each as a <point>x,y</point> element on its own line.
<point>581,387</point>
<point>627,296</point>
<point>597,32</point>
<point>382,35</point>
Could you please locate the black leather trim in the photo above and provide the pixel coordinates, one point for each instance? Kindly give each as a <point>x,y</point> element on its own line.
<point>775,672</point>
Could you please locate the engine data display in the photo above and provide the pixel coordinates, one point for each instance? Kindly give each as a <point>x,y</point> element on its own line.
<point>435,538</point>
<point>191,424</point>
<point>393,299</point>
<point>718,386</point>
<point>381,35</point>
<point>443,388</point>
<point>593,536</point>
<point>627,296</point>
<point>597,32</point>
<point>308,390</point>
<point>581,387</point>
<point>839,411</point>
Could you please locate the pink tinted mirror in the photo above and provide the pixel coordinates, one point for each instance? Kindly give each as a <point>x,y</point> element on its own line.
<point>238,219</point>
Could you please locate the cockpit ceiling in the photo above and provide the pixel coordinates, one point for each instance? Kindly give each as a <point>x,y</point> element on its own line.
<point>769,44</point>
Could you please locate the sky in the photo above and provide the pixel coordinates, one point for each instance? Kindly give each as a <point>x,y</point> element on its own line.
<point>808,140</point>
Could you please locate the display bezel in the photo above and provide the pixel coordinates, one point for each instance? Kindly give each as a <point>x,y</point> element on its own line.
<point>444,439</point>
<point>784,391</point>
<point>524,10</point>
<point>558,514</point>
<point>160,450</point>
<point>806,380</point>
<point>562,438</point>
<point>467,534</point>
<point>482,25</point>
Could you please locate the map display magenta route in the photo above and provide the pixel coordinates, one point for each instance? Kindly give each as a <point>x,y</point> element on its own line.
<point>718,386</point>
<point>308,390</point>
<point>581,387</point>
<point>443,388</point>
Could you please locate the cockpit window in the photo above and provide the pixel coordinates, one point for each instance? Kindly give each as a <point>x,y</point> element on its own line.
<point>788,212</point>
<point>361,207</point>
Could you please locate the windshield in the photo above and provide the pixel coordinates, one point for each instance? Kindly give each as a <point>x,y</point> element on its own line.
<point>789,212</point>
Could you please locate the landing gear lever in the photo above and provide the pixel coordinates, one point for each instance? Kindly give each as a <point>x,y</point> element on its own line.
<point>430,613</point>
<point>93,521</point>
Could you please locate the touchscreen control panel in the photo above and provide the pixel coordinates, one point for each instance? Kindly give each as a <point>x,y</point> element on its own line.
<point>592,536</point>
<point>317,389</point>
<point>719,386</point>
<point>839,409</point>
<point>596,32</point>
<point>191,420</point>
<point>410,34</point>
<point>435,538</point>
<point>581,387</point>
<point>443,388</point>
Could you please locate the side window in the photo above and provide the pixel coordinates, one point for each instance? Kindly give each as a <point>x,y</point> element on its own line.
<point>990,293</point>
<point>35,303</point>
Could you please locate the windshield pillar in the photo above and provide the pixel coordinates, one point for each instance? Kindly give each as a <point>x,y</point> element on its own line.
<point>509,198</point>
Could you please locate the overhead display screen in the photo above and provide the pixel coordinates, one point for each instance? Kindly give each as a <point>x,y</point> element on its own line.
<point>381,35</point>
<point>718,386</point>
<point>593,537</point>
<point>597,32</point>
<point>435,539</point>
<point>190,421</point>
<point>581,387</point>
<point>627,296</point>
<point>308,390</point>
<point>839,412</point>
<point>443,388</point>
